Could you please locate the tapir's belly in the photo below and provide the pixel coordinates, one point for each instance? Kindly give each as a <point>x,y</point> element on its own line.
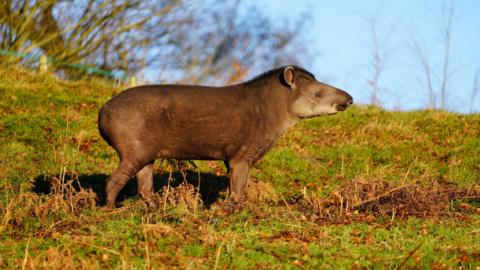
<point>207,139</point>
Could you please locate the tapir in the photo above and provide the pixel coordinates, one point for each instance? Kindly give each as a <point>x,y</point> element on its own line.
<point>237,124</point>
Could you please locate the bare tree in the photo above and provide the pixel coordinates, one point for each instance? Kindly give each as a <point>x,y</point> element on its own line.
<point>422,54</point>
<point>438,77</point>
<point>447,16</point>
<point>377,64</point>
<point>232,42</point>
<point>378,60</point>
<point>474,89</point>
<point>198,41</point>
<point>104,33</point>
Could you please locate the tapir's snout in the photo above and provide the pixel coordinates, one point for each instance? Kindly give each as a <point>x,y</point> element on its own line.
<point>347,100</point>
<point>345,105</point>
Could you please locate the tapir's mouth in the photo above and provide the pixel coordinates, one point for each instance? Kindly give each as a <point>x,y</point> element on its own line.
<point>319,114</point>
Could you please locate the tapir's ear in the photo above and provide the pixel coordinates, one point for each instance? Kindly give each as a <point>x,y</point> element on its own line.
<point>289,76</point>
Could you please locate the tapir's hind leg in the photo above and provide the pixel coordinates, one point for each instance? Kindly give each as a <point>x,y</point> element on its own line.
<point>145,182</point>
<point>125,171</point>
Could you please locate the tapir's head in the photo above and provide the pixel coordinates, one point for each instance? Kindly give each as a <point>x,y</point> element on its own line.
<point>312,98</point>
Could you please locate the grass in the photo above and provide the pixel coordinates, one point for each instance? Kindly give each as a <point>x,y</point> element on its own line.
<point>366,188</point>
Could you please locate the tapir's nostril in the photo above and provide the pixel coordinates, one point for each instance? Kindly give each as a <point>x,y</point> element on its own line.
<point>343,106</point>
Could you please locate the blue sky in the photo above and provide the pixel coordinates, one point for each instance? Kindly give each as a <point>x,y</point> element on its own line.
<point>341,39</point>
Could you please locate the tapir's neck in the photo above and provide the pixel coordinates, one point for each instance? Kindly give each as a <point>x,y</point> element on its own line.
<point>287,124</point>
<point>277,111</point>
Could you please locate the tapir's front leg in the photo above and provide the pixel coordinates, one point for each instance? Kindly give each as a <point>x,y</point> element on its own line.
<point>238,176</point>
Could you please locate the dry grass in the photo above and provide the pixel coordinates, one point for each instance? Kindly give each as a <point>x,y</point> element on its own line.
<point>373,199</point>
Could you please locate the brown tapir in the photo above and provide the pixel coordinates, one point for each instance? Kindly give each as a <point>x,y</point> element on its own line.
<point>236,124</point>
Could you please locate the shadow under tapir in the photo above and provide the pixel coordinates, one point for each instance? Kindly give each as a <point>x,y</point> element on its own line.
<point>210,185</point>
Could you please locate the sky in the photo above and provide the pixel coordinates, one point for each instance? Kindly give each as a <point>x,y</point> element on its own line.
<point>342,41</point>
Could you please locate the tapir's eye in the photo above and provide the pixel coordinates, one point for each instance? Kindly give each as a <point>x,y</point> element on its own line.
<point>319,94</point>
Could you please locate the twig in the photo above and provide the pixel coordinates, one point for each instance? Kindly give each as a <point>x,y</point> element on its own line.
<point>381,196</point>
<point>50,227</point>
<point>471,197</point>
<point>8,215</point>
<point>341,205</point>
<point>289,210</point>
<point>408,257</point>
<point>474,232</point>
<point>409,168</point>
<point>305,195</point>
<point>165,197</point>
<point>197,194</point>
<point>25,259</point>
<point>467,194</point>
<point>393,216</point>
<point>293,225</point>
<point>390,191</point>
<point>217,256</point>
<point>147,252</point>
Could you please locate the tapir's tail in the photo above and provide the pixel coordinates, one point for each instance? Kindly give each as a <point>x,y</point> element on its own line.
<point>103,124</point>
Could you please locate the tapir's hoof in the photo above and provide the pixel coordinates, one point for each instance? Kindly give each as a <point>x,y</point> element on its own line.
<point>110,205</point>
<point>107,209</point>
<point>233,206</point>
<point>150,203</point>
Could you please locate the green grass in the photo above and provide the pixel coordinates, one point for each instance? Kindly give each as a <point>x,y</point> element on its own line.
<point>48,129</point>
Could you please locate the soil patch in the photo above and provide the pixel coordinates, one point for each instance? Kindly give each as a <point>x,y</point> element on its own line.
<point>372,199</point>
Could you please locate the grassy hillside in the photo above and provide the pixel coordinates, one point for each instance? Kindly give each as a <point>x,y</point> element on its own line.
<point>364,188</point>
